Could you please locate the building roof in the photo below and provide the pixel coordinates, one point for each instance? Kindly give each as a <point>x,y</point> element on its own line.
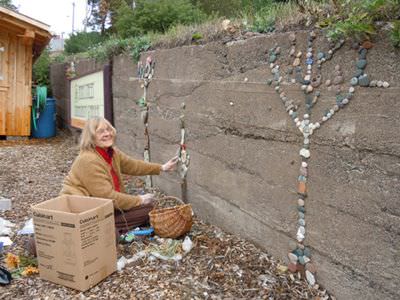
<point>31,30</point>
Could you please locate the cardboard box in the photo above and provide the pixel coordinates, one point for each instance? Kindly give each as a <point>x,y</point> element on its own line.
<point>75,240</point>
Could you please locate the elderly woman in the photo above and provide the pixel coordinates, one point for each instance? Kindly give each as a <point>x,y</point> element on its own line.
<point>97,172</point>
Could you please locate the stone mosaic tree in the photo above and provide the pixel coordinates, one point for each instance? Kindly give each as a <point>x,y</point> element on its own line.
<point>183,155</point>
<point>310,81</point>
<point>145,73</point>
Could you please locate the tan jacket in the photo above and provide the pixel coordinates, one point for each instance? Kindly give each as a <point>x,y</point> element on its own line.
<point>90,176</point>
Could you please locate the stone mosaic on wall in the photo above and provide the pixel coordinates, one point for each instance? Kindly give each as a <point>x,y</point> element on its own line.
<point>310,81</point>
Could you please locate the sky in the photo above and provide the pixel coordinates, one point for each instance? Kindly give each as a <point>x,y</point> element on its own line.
<point>56,13</point>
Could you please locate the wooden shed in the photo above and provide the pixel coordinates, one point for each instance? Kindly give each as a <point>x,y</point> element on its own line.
<point>22,39</point>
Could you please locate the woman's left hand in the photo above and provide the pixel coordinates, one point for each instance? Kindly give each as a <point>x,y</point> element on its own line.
<point>170,165</point>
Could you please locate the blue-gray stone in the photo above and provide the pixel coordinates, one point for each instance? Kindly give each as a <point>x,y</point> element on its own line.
<point>307,252</point>
<point>302,222</point>
<point>320,55</point>
<point>301,260</point>
<point>272,58</point>
<point>301,209</point>
<point>354,81</point>
<point>363,80</point>
<point>309,61</point>
<point>301,215</point>
<point>298,252</point>
<point>309,99</point>
<point>349,96</point>
<point>361,63</point>
<point>302,178</point>
<point>317,93</point>
<point>269,81</point>
<point>363,53</point>
<point>358,73</point>
<point>298,69</point>
<point>306,146</point>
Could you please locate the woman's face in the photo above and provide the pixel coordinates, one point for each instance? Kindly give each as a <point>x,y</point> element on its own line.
<point>104,137</point>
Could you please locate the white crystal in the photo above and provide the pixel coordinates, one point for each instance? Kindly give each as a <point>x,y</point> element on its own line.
<point>310,278</point>
<point>305,153</point>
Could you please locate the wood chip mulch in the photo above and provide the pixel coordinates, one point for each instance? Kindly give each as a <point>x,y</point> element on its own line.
<point>219,266</point>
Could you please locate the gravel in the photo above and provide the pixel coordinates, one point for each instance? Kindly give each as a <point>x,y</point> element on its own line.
<point>219,266</point>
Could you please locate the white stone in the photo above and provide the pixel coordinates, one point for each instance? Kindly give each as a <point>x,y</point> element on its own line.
<point>304,164</point>
<point>300,202</point>
<point>292,51</point>
<point>351,89</point>
<point>301,230</point>
<point>296,120</point>
<point>345,101</point>
<point>305,153</point>
<point>293,80</point>
<point>306,259</point>
<point>317,125</point>
<point>290,112</point>
<point>328,115</point>
<point>330,52</point>
<point>303,87</point>
<point>231,103</point>
<point>292,258</point>
<point>299,54</point>
<point>300,237</point>
<point>306,122</point>
<point>307,77</point>
<point>309,50</point>
<point>306,141</point>
<point>277,67</point>
<point>386,84</point>
<point>311,131</point>
<point>277,88</point>
<point>246,79</point>
<point>271,65</point>
<point>308,72</point>
<point>309,67</point>
<point>310,278</point>
<point>324,119</point>
<point>306,116</point>
<point>332,112</point>
<point>298,123</point>
<point>309,89</point>
<point>379,83</point>
<point>309,54</point>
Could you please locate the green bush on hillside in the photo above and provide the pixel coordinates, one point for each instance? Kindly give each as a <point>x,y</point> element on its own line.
<point>83,41</point>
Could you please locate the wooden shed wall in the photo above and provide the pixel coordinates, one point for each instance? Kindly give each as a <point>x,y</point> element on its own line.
<point>15,85</point>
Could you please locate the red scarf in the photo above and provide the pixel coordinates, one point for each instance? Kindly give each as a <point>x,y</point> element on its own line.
<point>108,156</point>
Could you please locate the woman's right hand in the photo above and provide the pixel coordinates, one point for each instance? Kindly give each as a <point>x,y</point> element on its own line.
<point>147,199</point>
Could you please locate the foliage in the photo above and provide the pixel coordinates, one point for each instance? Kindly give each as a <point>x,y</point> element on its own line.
<point>8,4</point>
<point>156,16</point>
<point>357,18</point>
<point>220,8</point>
<point>41,69</point>
<point>115,46</point>
<point>395,34</point>
<point>82,41</point>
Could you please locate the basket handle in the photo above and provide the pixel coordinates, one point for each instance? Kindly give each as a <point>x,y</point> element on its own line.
<point>171,197</point>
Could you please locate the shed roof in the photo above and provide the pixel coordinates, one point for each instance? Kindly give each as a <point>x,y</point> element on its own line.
<point>26,27</point>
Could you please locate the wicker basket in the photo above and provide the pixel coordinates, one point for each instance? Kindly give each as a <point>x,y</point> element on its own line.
<point>172,222</point>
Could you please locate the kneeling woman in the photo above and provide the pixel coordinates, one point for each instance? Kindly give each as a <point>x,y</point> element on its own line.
<point>97,170</point>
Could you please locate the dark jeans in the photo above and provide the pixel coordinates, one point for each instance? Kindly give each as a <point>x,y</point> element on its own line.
<point>130,219</point>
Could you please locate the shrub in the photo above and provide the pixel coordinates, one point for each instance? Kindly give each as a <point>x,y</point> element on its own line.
<point>395,34</point>
<point>82,41</point>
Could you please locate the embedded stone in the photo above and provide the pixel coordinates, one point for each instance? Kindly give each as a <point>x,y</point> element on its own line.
<point>307,252</point>
<point>306,259</point>
<point>373,83</point>
<point>301,260</point>
<point>303,171</point>
<point>328,82</point>
<point>272,58</point>
<point>269,81</point>
<point>320,55</point>
<point>292,258</point>
<point>309,89</point>
<point>363,80</point>
<point>292,267</point>
<point>386,84</point>
<point>363,53</point>
<point>296,62</point>
<point>302,222</point>
<point>336,107</point>
<point>345,101</point>
<point>361,63</point>
<point>337,68</point>
<point>351,89</point>
<point>311,267</point>
<point>310,278</point>
<point>309,54</point>
<point>324,119</point>
<point>309,61</point>
<point>300,202</point>
<point>299,54</point>
<point>290,70</point>
<point>354,81</point>
<point>302,178</point>
<point>379,83</point>
<point>301,215</point>
<point>302,189</point>
<point>278,50</point>
<point>304,164</point>
<point>300,237</point>
<point>367,45</point>
<point>358,73</point>
<point>292,51</point>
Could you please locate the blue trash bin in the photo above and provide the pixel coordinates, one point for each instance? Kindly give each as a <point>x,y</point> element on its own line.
<point>46,124</point>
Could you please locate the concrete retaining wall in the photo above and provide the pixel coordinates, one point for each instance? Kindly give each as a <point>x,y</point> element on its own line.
<point>244,149</point>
